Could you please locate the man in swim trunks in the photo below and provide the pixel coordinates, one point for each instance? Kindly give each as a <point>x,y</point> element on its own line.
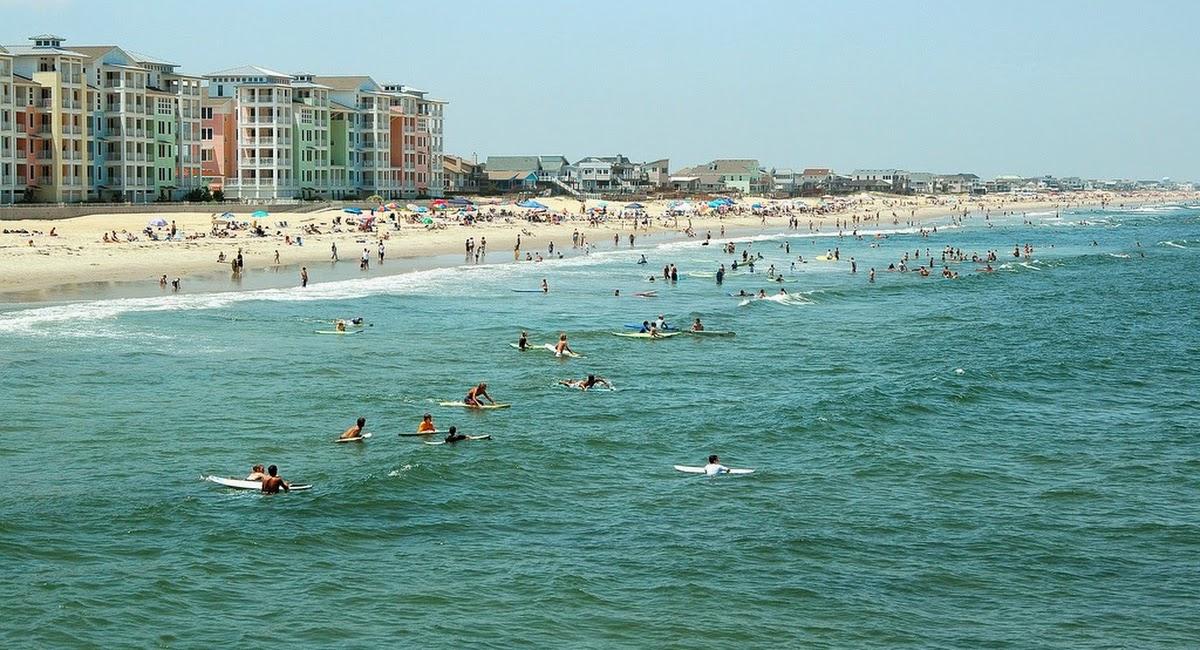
<point>561,347</point>
<point>585,384</point>
<point>426,425</point>
<point>272,482</point>
<point>714,466</point>
<point>473,396</point>
<point>354,431</point>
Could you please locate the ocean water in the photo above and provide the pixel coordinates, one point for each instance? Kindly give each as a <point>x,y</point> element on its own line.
<point>1010,459</point>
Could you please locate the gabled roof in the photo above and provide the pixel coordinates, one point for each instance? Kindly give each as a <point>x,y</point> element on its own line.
<point>248,71</point>
<point>816,171</point>
<point>96,51</point>
<point>512,163</point>
<point>510,175</point>
<point>349,83</point>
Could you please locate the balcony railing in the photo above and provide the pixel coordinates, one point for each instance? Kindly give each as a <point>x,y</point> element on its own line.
<point>72,155</point>
<point>45,155</point>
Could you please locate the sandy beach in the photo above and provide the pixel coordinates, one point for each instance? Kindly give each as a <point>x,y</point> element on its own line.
<point>78,253</point>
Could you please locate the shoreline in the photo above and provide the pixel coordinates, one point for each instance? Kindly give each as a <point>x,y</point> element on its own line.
<point>75,264</point>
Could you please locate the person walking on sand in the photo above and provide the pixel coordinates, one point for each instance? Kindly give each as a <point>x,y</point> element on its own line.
<point>304,276</point>
<point>333,250</point>
<point>276,257</point>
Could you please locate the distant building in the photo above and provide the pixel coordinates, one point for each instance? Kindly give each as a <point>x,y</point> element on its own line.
<point>922,183</point>
<point>955,183</point>
<point>742,175</point>
<point>895,181</point>
<point>461,176</point>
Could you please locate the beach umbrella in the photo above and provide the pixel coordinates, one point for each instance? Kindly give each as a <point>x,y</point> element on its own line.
<point>530,203</point>
<point>158,222</point>
<point>459,200</point>
<point>259,214</point>
<point>352,210</point>
<point>634,206</point>
<point>228,215</point>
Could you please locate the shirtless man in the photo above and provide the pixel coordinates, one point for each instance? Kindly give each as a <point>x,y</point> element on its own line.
<point>697,326</point>
<point>545,286</point>
<point>272,482</point>
<point>561,348</point>
<point>354,431</point>
<point>585,384</point>
<point>473,395</point>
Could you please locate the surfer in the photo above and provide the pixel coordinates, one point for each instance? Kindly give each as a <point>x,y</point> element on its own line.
<point>585,384</point>
<point>426,425</point>
<point>473,395</point>
<point>339,325</point>
<point>561,347</point>
<point>714,466</point>
<point>643,260</point>
<point>697,326</point>
<point>453,436</point>
<point>523,341</point>
<point>645,327</point>
<point>661,323</point>
<point>257,473</point>
<point>273,482</point>
<point>354,431</point>
<point>545,287</point>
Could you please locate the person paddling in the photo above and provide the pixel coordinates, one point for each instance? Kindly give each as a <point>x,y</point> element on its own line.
<point>354,431</point>
<point>474,395</point>
<point>714,466</point>
<point>273,482</point>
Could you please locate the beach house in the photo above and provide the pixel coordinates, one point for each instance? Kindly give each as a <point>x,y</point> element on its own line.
<point>742,175</point>
<point>9,190</point>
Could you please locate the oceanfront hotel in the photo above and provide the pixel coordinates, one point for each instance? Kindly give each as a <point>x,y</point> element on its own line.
<point>103,123</point>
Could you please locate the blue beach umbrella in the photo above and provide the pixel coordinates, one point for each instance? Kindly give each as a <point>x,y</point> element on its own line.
<point>352,210</point>
<point>259,214</point>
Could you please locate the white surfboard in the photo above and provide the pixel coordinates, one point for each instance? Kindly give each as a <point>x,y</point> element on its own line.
<point>442,442</point>
<point>482,407</point>
<point>356,438</point>
<point>691,469</point>
<point>242,484</point>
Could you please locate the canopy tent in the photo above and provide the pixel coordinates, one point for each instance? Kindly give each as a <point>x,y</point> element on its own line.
<point>259,214</point>
<point>530,203</point>
<point>392,206</point>
<point>158,222</point>
<point>634,206</point>
<point>355,211</point>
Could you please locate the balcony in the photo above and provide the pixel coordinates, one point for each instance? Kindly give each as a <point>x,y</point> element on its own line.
<point>72,155</point>
<point>44,103</point>
<point>45,155</point>
<point>72,130</point>
<point>70,104</point>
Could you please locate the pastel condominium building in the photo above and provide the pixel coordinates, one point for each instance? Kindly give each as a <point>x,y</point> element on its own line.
<point>268,135</point>
<point>105,123</point>
<point>95,122</point>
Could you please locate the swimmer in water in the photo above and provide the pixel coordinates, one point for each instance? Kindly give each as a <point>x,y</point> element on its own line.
<point>474,395</point>
<point>561,348</point>
<point>523,341</point>
<point>586,384</point>
<point>355,430</point>
<point>714,466</point>
<point>697,326</point>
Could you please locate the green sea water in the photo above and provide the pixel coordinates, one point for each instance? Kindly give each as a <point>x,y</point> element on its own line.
<point>1006,460</point>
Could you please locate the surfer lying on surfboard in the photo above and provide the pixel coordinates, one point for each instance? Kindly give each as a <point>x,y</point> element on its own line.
<point>585,384</point>
<point>473,395</point>
<point>453,436</point>
<point>355,431</point>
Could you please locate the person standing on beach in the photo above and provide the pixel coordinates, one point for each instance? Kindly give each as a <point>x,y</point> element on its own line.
<point>304,276</point>
<point>365,262</point>
<point>381,252</point>
<point>631,238</point>
<point>483,247</point>
<point>333,250</point>
<point>276,257</point>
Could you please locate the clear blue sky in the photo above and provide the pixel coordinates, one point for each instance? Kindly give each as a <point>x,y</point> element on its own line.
<point>1098,89</point>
